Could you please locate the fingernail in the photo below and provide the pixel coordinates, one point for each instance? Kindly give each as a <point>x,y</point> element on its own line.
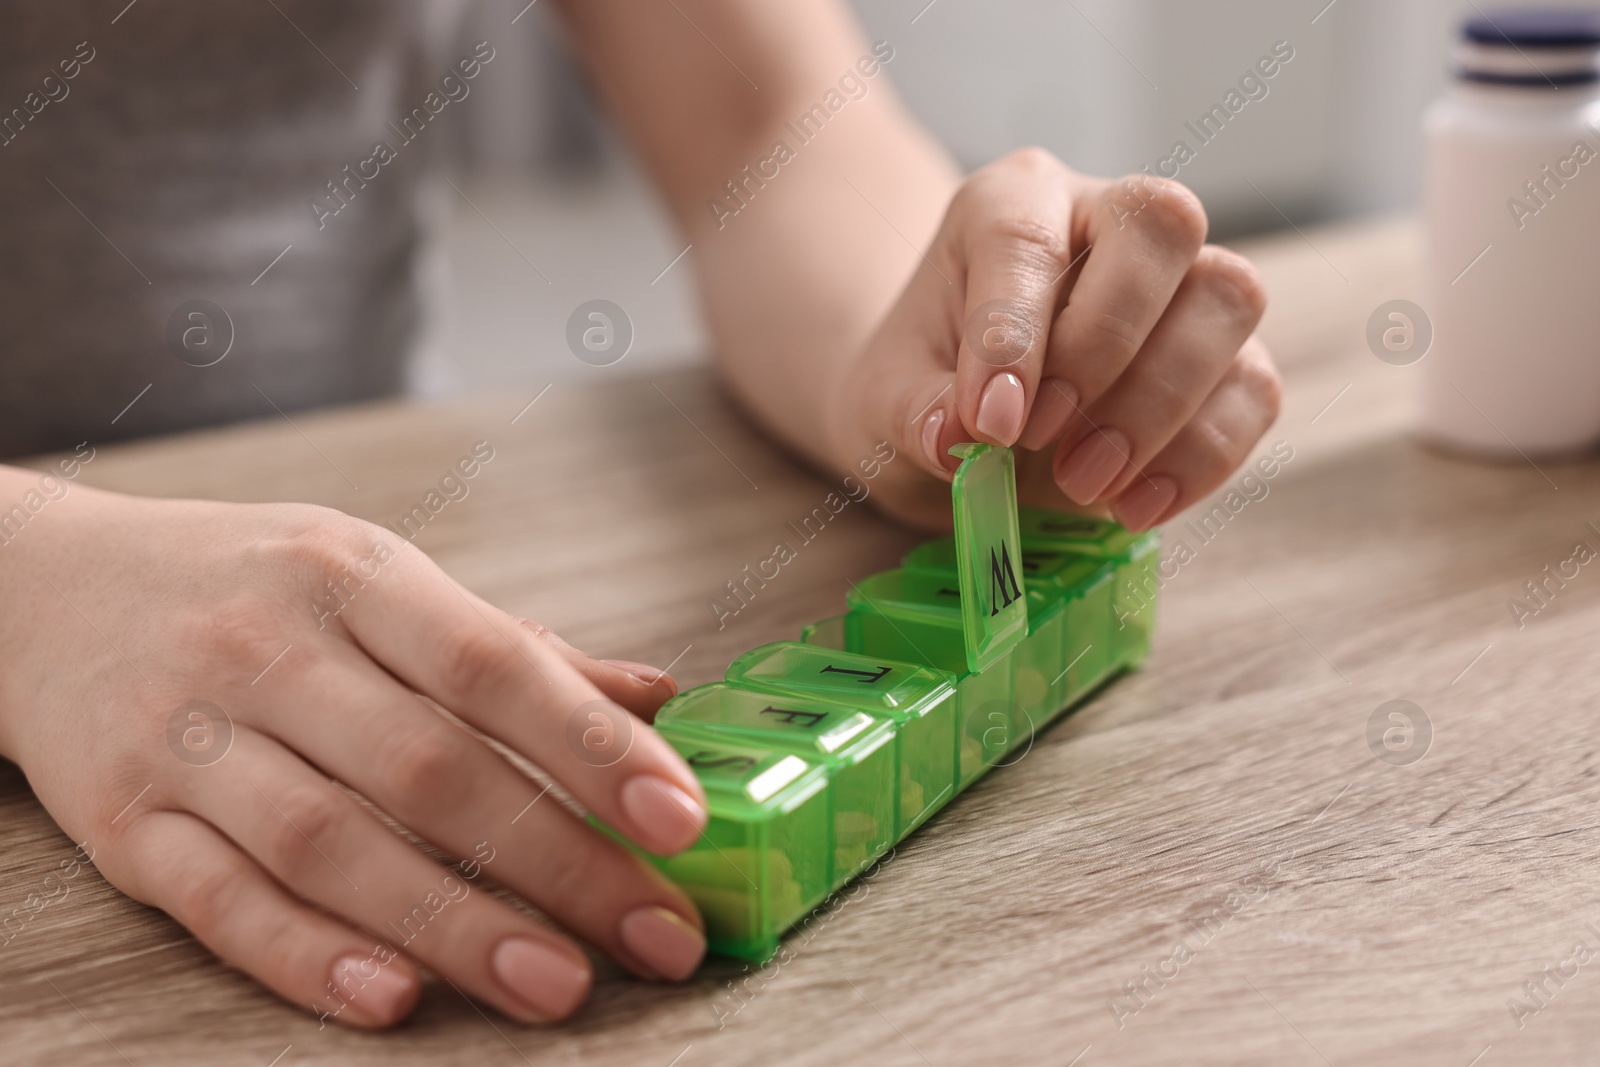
<point>541,976</point>
<point>667,819</point>
<point>663,940</point>
<point>1000,408</point>
<point>645,673</point>
<point>384,997</point>
<point>1145,502</point>
<point>930,437</point>
<point>1055,404</point>
<point>1090,467</point>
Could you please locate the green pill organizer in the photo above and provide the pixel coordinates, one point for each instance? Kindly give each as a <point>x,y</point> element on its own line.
<point>818,755</point>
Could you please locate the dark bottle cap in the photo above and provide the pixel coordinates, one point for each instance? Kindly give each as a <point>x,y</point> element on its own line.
<point>1540,48</point>
<point>1536,28</point>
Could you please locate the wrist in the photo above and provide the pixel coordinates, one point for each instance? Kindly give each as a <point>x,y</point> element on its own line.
<point>38,508</point>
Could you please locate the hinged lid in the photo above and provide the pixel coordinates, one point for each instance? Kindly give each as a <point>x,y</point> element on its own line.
<point>994,613</point>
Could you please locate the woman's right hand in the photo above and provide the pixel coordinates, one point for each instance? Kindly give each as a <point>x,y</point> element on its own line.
<point>200,692</point>
<point>1082,321</point>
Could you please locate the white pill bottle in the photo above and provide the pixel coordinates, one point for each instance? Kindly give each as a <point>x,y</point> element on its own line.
<point>1512,208</point>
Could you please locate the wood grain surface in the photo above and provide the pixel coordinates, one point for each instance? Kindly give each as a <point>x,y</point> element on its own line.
<point>1332,907</point>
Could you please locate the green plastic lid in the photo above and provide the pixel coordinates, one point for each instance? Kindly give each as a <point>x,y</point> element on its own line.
<point>988,552</point>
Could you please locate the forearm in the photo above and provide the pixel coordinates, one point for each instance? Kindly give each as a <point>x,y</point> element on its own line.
<point>800,249</point>
<point>797,280</point>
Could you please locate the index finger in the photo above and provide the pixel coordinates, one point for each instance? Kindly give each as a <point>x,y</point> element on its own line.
<point>484,666</point>
<point>1012,221</point>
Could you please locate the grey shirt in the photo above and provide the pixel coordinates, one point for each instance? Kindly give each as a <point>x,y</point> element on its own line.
<point>169,153</point>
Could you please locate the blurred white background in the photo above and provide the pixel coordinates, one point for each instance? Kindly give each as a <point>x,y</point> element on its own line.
<point>1105,84</point>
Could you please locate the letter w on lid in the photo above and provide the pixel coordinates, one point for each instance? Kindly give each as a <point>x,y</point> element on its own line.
<point>1002,580</point>
<point>994,613</point>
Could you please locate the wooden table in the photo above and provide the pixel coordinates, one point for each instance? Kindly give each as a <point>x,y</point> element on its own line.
<point>1335,907</point>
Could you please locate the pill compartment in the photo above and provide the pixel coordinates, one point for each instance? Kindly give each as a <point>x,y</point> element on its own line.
<point>1039,682</point>
<point>1135,598</point>
<point>857,749</point>
<point>909,616</point>
<point>1082,534</point>
<point>919,700</point>
<point>1092,651</point>
<point>765,857</point>
<point>913,616</point>
<point>1040,687</point>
